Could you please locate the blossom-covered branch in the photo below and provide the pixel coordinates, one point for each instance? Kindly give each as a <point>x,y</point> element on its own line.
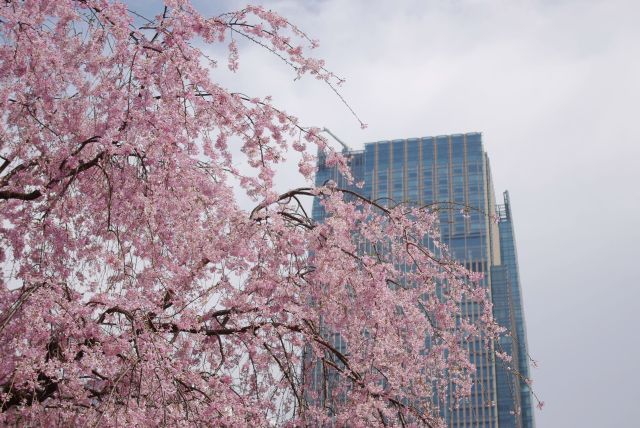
<point>134,288</point>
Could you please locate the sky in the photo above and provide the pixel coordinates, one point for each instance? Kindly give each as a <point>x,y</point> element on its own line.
<point>554,88</point>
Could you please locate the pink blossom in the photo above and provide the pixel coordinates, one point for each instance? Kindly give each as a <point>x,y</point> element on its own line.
<point>135,290</point>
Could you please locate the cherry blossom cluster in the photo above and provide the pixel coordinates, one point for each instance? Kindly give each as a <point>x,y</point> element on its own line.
<point>136,291</point>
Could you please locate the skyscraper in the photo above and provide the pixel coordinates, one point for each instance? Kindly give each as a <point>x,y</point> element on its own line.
<point>452,172</point>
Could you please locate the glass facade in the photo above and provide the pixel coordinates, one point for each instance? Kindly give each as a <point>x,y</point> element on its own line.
<point>452,173</point>
<point>517,324</point>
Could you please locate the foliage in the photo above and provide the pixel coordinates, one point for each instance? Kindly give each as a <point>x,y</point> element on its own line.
<point>136,291</point>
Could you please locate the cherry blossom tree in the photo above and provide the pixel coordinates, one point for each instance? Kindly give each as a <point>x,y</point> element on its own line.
<point>136,291</point>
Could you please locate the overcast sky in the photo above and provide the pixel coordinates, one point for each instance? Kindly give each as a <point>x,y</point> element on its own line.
<point>554,88</point>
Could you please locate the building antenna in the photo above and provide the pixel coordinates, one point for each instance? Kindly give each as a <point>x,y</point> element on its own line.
<point>342,143</point>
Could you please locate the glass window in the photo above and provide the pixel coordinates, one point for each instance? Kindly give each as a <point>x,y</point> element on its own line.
<point>427,150</point>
